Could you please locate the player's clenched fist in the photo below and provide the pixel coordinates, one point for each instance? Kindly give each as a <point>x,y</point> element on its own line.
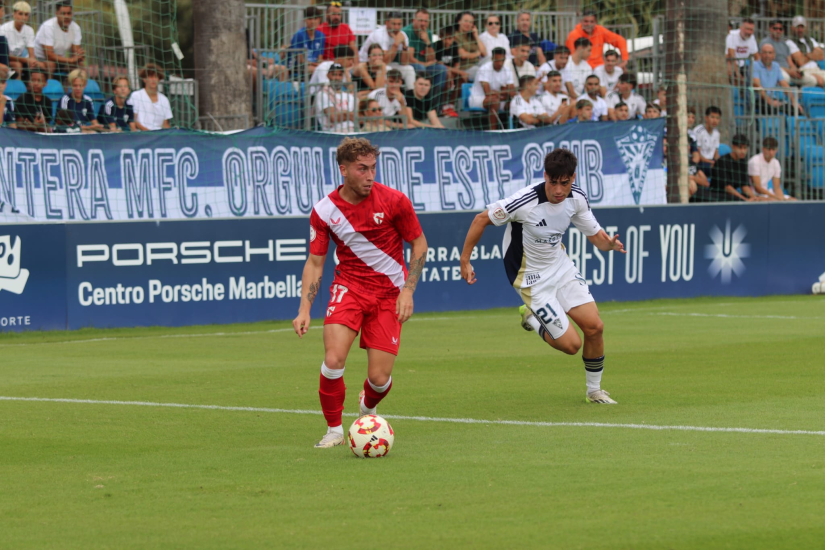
<point>301,324</point>
<point>468,273</point>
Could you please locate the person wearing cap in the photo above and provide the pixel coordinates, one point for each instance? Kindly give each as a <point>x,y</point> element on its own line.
<point>20,37</point>
<point>57,42</point>
<point>311,39</point>
<point>343,57</point>
<point>334,106</point>
<point>337,32</point>
<point>395,44</point>
<point>805,52</point>
<point>598,37</point>
<point>6,103</point>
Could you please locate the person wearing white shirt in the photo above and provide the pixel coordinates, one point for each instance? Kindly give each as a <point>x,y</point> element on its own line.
<point>765,172</point>
<point>805,53</point>
<point>559,63</point>
<point>555,102</point>
<point>20,37</point>
<point>394,42</point>
<point>391,98</point>
<point>58,40</point>
<point>493,86</point>
<point>343,56</point>
<point>494,38</point>
<point>592,86</point>
<point>578,69</point>
<point>335,107</point>
<point>626,93</point>
<point>152,108</point>
<point>518,64</point>
<point>526,107</point>
<point>609,73</point>
<point>707,139</point>
<point>740,46</point>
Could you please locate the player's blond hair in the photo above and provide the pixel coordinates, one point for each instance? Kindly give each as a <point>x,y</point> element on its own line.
<point>78,73</point>
<point>351,148</point>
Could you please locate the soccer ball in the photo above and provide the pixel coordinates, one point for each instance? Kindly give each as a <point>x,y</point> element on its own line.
<point>370,437</point>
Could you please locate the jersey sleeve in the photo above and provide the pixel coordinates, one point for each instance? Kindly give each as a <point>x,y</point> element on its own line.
<point>318,235</point>
<point>406,221</point>
<point>583,218</point>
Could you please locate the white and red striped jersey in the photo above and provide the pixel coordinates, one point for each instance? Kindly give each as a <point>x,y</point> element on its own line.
<point>369,237</point>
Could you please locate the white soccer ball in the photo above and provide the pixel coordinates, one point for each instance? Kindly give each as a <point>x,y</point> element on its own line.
<point>370,437</point>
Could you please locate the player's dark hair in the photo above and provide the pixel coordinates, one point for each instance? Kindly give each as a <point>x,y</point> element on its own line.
<point>582,43</point>
<point>560,164</point>
<point>770,143</point>
<point>499,51</point>
<point>740,140</point>
<point>713,109</point>
<point>351,148</point>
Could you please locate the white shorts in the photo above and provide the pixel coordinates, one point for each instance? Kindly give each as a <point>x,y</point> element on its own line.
<point>551,300</point>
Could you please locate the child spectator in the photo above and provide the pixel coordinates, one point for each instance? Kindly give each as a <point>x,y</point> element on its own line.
<point>152,108</point>
<point>117,113</point>
<point>79,104</point>
<point>707,138</point>
<point>526,107</point>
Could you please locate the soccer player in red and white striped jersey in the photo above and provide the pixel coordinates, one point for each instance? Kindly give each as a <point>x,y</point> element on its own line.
<point>372,292</point>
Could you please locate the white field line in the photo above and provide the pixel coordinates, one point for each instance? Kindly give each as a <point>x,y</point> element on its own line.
<point>731,316</point>
<point>428,418</point>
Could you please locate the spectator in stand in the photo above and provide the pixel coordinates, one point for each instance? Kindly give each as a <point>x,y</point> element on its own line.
<point>556,103</point>
<point>493,87</point>
<point>372,74</point>
<point>609,73</point>
<point>767,74</point>
<point>336,33</point>
<point>371,117</point>
<point>591,89</point>
<point>806,52</point>
<point>730,176</point>
<point>765,172</point>
<point>33,110</point>
<point>79,104</point>
<point>422,54</point>
<point>696,178</point>
<point>581,112</point>
<point>152,108</point>
<point>343,57</point>
<point>518,63</point>
<point>311,39</point>
<point>6,103</point>
<point>652,111</point>
<point>446,54</point>
<point>741,46</point>
<point>707,138</point>
<point>621,112</point>
<point>395,43</point>
<point>421,111</point>
<point>117,113</point>
<point>578,69</point>
<point>391,98</point>
<point>691,119</point>
<point>661,99</point>
<point>470,47</point>
<point>493,38</point>
<point>5,59</point>
<point>526,107</point>
<point>559,63</point>
<point>626,94</point>
<point>20,37</point>
<point>523,23</point>
<point>779,41</point>
<point>334,106</point>
<point>57,43</point>
<point>598,36</point>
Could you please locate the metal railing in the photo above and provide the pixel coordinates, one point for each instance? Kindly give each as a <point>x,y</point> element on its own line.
<point>183,98</point>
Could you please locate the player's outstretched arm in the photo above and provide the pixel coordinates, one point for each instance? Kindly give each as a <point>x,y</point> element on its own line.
<point>480,222</point>
<point>605,243</point>
<point>418,255</point>
<point>310,285</point>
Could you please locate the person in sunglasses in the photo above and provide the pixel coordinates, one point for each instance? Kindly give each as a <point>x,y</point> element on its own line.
<point>493,38</point>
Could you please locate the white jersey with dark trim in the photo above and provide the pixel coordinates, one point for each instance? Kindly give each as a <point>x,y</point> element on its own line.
<point>533,249</point>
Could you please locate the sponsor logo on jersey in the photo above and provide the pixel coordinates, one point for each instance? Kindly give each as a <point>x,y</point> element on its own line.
<point>635,149</point>
<point>530,279</point>
<point>330,310</point>
<point>12,277</point>
<point>553,239</point>
<point>378,217</point>
<point>542,223</point>
<point>334,221</point>
<point>499,213</point>
<point>395,340</point>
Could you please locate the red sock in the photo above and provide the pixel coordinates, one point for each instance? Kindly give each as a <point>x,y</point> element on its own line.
<point>332,393</point>
<point>371,397</point>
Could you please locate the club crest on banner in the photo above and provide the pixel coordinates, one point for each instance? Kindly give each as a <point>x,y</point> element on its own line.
<point>12,277</point>
<point>636,147</point>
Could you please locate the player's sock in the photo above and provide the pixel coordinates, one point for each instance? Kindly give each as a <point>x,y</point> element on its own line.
<point>332,392</point>
<point>374,394</point>
<point>593,369</point>
<point>533,322</point>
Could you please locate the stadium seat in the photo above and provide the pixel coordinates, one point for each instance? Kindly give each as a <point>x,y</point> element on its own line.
<point>821,65</point>
<point>817,111</point>
<point>466,90</point>
<point>724,149</point>
<point>817,179</point>
<point>813,153</point>
<point>54,90</point>
<point>812,96</point>
<point>93,91</point>
<point>770,126</point>
<point>15,88</point>
<point>285,103</point>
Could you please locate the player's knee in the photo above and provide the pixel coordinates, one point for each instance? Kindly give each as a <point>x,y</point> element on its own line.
<point>379,379</point>
<point>570,348</point>
<point>593,330</point>
<point>334,360</point>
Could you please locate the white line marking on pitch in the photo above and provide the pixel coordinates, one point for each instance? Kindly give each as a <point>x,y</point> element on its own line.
<point>731,316</point>
<point>427,418</point>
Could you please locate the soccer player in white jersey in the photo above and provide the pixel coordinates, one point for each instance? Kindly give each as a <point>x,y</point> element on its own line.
<point>539,269</point>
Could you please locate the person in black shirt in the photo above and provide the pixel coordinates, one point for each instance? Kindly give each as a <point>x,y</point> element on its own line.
<point>34,110</point>
<point>421,104</point>
<point>446,53</point>
<point>730,175</point>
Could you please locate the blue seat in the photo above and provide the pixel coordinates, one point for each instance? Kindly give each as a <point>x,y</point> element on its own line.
<point>770,126</point>
<point>811,96</point>
<point>812,153</point>
<point>15,88</point>
<point>806,143</point>
<point>817,111</point>
<point>821,65</point>
<point>54,90</point>
<point>285,103</point>
<point>93,91</point>
<point>817,178</point>
<point>724,149</point>
<point>466,90</point>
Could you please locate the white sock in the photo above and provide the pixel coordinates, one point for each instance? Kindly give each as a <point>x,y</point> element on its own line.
<point>593,372</point>
<point>380,389</point>
<point>531,319</point>
<point>331,374</point>
<point>339,429</point>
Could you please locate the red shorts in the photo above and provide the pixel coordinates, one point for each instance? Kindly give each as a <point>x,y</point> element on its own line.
<point>372,315</point>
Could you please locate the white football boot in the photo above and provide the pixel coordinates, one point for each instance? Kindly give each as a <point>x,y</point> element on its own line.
<point>363,408</point>
<point>330,439</point>
<point>599,396</point>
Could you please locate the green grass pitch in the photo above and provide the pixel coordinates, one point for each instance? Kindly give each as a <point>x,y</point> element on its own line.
<point>75,475</point>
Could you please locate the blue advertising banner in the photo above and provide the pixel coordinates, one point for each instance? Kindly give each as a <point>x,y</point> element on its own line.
<point>227,271</point>
<point>183,175</point>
